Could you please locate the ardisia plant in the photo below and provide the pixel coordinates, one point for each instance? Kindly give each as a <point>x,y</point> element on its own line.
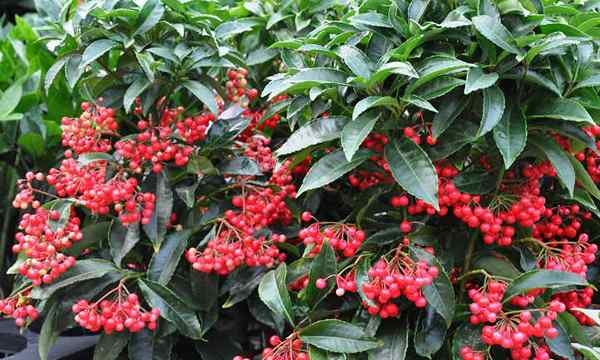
<point>318,180</point>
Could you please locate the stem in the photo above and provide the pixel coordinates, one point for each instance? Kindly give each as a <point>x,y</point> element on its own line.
<point>468,258</point>
<point>8,214</point>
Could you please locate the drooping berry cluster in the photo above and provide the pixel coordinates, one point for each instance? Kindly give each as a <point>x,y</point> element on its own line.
<point>392,278</point>
<point>41,242</point>
<point>563,255</point>
<point>154,146</point>
<point>86,133</point>
<point>344,238</point>
<point>116,315</point>
<point>18,307</point>
<point>577,299</point>
<point>194,129</point>
<point>291,348</point>
<point>237,87</point>
<point>467,353</point>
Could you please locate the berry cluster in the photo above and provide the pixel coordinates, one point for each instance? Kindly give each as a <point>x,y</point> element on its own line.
<point>257,148</point>
<point>398,276</point>
<point>155,146</point>
<point>487,302</point>
<point>467,353</point>
<point>85,134</point>
<point>291,348</point>
<point>237,87</point>
<point>18,307</point>
<point>568,256</point>
<point>344,238</point>
<point>41,244</point>
<point>194,129</point>
<point>124,312</point>
<point>415,134</point>
<point>577,299</point>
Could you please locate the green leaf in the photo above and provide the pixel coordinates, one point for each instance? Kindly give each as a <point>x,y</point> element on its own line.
<point>172,308</point>
<point>419,102</point>
<point>355,132</point>
<point>330,168</point>
<point>205,288</point>
<point>240,165</point>
<point>145,345</point>
<point>510,134</point>
<point>51,329</point>
<point>260,56</point>
<point>88,158</point>
<point>417,9</point>
<point>440,294</point>
<point>163,263</point>
<point>436,66</point>
<point>317,131</point>
<point>203,94</point>
<point>493,109</point>
<point>466,335</point>
<point>122,240</point>
<point>337,336</point>
<point>322,267</point>
<point>591,81</point>
<point>492,29</point>
<point>496,264</point>
<point>149,16</point>
<point>109,347</point>
<point>475,180</point>
<point>559,159</point>
<point>134,90</point>
<point>11,98</point>
<point>273,291</point>
<point>588,353</point>
<point>163,207</point>
<point>146,60</point>
<point>356,60</point>
<point>232,28</point>
<point>412,169</point>
<point>83,270</point>
<point>395,67</point>
<point>371,102</point>
<point>439,87</point>
<point>371,19</point>
<point>73,71</point>
<point>394,335</point>
<point>95,50</point>
<point>450,108</point>
<point>478,80</point>
<point>429,333</point>
<point>560,109</point>
<point>542,279</point>
<point>561,345</point>
<point>584,178</point>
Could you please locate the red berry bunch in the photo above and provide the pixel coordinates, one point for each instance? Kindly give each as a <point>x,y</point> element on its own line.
<point>154,145</point>
<point>467,353</point>
<point>487,302</point>
<point>291,348</point>
<point>18,307</point>
<point>398,276</point>
<point>122,312</point>
<point>85,134</point>
<point>577,299</point>
<point>41,243</point>
<point>344,238</point>
<point>194,129</point>
<point>237,87</point>
<point>569,256</point>
<point>415,134</point>
<point>26,196</point>
<point>234,246</point>
<point>257,148</point>
<point>346,283</point>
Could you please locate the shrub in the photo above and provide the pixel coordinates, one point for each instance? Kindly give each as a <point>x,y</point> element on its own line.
<point>381,180</point>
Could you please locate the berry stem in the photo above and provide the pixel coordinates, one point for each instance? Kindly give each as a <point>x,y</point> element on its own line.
<point>469,258</point>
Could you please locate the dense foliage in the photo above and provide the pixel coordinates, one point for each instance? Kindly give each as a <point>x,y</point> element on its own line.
<point>308,180</point>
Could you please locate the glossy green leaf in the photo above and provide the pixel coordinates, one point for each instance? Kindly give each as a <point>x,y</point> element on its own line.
<point>95,50</point>
<point>510,134</point>
<point>493,30</point>
<point>163,263</point>
<point>337,336</point>
<point>394,67</point>
<point>429,333</point>
<point>476,181</point>
<point>412,169</point>
<point>356,60</point>
<point>371,102</point>
<point>591,81</point>
<point>322,267</point>
<point>589,353</point>
<point>330,168</point>
<point>11,98</point>
<point>451,107</point>
<point>416,9</point>
<point>394,335</point>
<point>478,80</point>
<point>122,240</point>
<point>172,308</point>
<point>203,94</point>
<point>584,178</point>
<point>356,131</point>
<point>436,66</point>
<point>273,291</point>
<point>496,264</point>
<point>149,16</point>
<point>560,109</point>
<point>493,109</point>
<point>317,131</point>
<point>240,165</point>
<point>559,160</point>
<point>134,90</point>
<point>109,347</point>
<point>542,279</point>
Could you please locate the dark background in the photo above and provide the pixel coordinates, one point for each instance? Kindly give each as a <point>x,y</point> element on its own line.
<point>10,8</point>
